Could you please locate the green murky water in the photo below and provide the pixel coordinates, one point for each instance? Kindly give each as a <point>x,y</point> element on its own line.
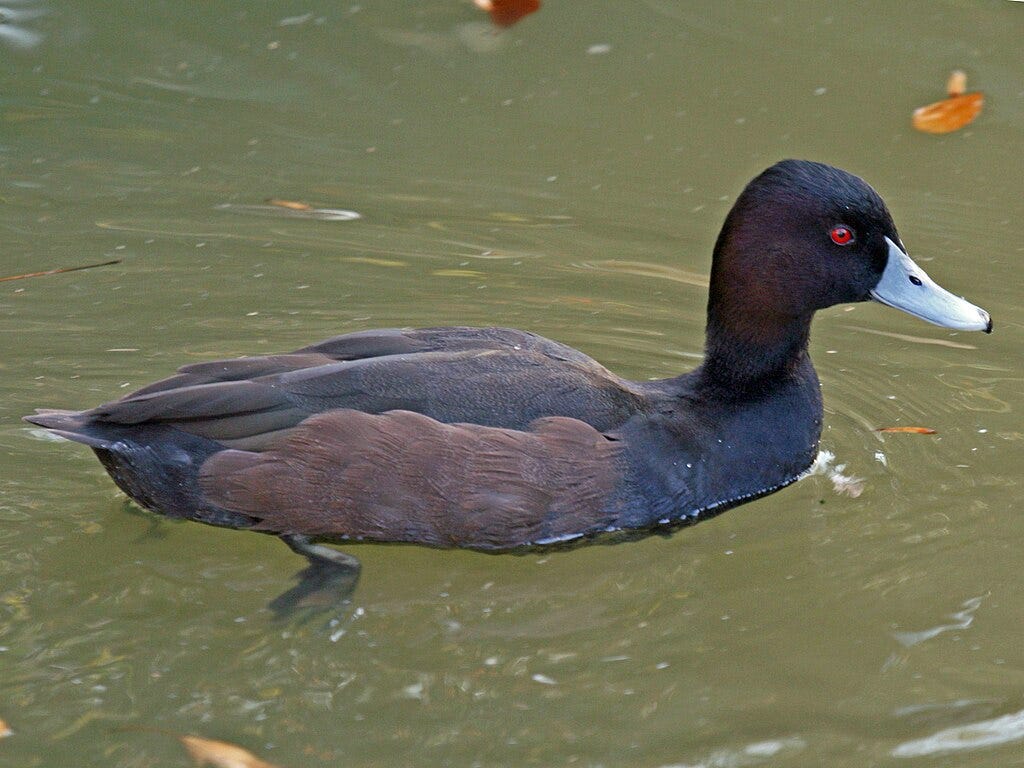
<point>567,176</point>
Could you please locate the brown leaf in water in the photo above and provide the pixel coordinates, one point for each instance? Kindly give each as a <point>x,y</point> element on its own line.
<point>291,205</point>
<point>221,754</point>
<point>952,113</point>
<point>5,730</point>
<point>58,271</point>
<point>505,13</point>
<point>908,430</point>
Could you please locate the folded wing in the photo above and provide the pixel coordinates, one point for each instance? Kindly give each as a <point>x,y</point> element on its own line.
<point>402,476</point>
<point>489,376</point>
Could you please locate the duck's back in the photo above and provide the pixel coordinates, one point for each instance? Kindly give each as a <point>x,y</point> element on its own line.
<point>488,376</point>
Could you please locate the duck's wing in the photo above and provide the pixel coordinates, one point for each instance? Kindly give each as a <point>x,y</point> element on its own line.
<point>492,377</point>
<point>362,345</point>
<point>402,476</point>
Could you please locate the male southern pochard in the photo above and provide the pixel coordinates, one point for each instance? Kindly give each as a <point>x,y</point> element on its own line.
<point>496,439</point>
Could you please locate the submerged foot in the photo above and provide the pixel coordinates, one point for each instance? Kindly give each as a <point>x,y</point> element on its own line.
<point>329,580</point>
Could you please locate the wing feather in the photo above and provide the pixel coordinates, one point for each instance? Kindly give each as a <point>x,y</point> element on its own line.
<point>401,476</point>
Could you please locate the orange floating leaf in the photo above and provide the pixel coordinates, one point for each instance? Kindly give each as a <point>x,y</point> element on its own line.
<point>5,730</point>
<point>949,114</point>
<point>221,754</point>
<point>505,13</point>
<point>291,205</point>
<point>952,113</point>
<point>908,430</point>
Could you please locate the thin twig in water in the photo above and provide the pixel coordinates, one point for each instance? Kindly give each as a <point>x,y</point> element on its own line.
<point>58,271</point>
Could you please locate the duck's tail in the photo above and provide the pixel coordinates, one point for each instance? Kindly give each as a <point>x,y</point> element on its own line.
<point>71,425</point>
<point>157,465</point>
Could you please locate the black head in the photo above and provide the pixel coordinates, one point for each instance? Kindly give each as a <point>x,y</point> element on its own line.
<point>802,236</point>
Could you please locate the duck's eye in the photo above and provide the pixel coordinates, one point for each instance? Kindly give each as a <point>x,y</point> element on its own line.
<point>841,235</point>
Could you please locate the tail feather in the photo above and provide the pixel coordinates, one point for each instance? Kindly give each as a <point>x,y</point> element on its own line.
<point>53,418</point>
<point>71,425</point>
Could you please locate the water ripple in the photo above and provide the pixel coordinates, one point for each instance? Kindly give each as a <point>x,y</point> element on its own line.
<point>752,754</point>
<point>985,733</point>
<point>962,619</point>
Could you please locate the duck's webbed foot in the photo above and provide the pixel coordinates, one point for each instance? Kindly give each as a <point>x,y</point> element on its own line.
<point>329,580</point>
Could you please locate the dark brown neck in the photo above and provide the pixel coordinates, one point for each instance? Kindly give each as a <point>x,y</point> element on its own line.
<point>745,353</point>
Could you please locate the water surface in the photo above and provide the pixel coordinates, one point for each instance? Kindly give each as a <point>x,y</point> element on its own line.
<point>567,176</point>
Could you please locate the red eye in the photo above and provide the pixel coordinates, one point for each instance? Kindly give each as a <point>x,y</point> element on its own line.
<point>841,235</point>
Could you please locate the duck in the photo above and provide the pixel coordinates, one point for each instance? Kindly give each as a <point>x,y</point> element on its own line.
<point>500,440</point>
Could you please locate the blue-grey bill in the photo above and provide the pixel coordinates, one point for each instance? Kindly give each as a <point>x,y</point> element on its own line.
<point>906,286</point>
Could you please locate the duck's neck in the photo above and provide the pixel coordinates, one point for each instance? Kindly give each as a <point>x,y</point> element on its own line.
<point>748,352</point>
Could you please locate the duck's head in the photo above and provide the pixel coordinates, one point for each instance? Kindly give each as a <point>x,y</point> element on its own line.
<point>804,236</point>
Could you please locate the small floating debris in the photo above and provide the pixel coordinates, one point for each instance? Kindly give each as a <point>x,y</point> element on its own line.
<point>221,754</point>
<point>291,209</point>
<point>952,113</point>
<point>295,21</point>
<point>58,271</point>
<point>291,205</point>
<point>907,430</point>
